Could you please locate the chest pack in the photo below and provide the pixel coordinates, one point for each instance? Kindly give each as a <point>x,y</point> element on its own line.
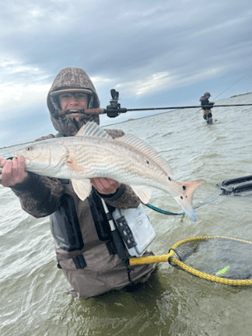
<point>134,228</point>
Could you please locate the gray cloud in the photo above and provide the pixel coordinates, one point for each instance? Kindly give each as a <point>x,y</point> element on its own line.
<point>153,52</point>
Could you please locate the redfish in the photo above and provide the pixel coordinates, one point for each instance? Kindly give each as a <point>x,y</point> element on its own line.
<point>93,153</point>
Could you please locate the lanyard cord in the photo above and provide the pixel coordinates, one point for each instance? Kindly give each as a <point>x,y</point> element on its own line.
<point>169,213</point>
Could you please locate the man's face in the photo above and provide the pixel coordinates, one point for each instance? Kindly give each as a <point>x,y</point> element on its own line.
<point>73,102</point>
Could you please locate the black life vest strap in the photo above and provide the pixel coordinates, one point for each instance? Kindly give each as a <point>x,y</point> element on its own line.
<point>117,240</point>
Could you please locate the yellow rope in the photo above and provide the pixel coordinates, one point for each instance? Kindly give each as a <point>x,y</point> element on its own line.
<point>165,257</point>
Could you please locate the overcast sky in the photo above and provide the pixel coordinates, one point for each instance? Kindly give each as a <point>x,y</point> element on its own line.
<point>155,53</point>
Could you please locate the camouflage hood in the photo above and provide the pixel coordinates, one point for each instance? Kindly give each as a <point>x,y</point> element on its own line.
<point>71,80</point>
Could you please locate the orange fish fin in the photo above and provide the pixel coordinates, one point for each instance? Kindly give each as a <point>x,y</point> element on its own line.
<point>189,188</point>
<point>184,199</point>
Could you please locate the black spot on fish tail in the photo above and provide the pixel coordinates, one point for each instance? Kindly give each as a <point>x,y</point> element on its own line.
<point>184,187</point>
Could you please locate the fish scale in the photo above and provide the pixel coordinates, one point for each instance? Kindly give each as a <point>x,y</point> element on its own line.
<point>93,153</point>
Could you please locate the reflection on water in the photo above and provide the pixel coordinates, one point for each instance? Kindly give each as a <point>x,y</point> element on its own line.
<point>34,292</point>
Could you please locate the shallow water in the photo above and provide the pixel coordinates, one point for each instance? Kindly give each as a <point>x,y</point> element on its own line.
<point>34,298</point>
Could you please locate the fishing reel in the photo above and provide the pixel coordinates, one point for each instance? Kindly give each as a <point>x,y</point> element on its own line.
<point>114,108</point>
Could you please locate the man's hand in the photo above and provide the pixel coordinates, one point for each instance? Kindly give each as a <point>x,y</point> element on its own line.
<point>105,185</point>
<point>13,171</point>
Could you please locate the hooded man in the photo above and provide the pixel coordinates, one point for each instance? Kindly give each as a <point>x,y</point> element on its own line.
<point>85,248</point>
<point>206,107</point>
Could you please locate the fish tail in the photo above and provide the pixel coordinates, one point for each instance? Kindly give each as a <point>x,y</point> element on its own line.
<point>185,198</point>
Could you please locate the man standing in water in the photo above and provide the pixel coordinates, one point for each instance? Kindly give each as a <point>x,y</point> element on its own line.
<point>206,107</point>
<point>85,248</point>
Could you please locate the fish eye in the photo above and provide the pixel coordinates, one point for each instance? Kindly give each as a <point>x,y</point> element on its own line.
<point>29,148</point>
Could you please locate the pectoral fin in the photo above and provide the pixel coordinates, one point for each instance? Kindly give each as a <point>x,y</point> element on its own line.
<point>144,195</point>
<point>82,188</point>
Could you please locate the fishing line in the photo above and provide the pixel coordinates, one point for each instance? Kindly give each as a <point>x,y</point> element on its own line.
<point>231,86</point>
<point>228,187</point>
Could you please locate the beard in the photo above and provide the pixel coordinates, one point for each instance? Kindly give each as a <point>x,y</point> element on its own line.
<point>70,126</point>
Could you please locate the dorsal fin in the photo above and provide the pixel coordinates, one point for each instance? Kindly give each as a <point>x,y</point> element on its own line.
<point>140,145</point>
<point>91,129</point>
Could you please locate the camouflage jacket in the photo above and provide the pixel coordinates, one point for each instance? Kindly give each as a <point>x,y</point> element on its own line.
<point>83,238</point>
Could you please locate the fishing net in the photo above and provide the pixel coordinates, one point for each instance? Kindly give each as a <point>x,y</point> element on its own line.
<point>216,258</point>
<point>221,259</point>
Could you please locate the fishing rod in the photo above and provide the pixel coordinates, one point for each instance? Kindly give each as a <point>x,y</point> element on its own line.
<point>114,109</point>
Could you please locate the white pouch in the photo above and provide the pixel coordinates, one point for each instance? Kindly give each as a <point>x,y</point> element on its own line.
<point>135,229</point>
